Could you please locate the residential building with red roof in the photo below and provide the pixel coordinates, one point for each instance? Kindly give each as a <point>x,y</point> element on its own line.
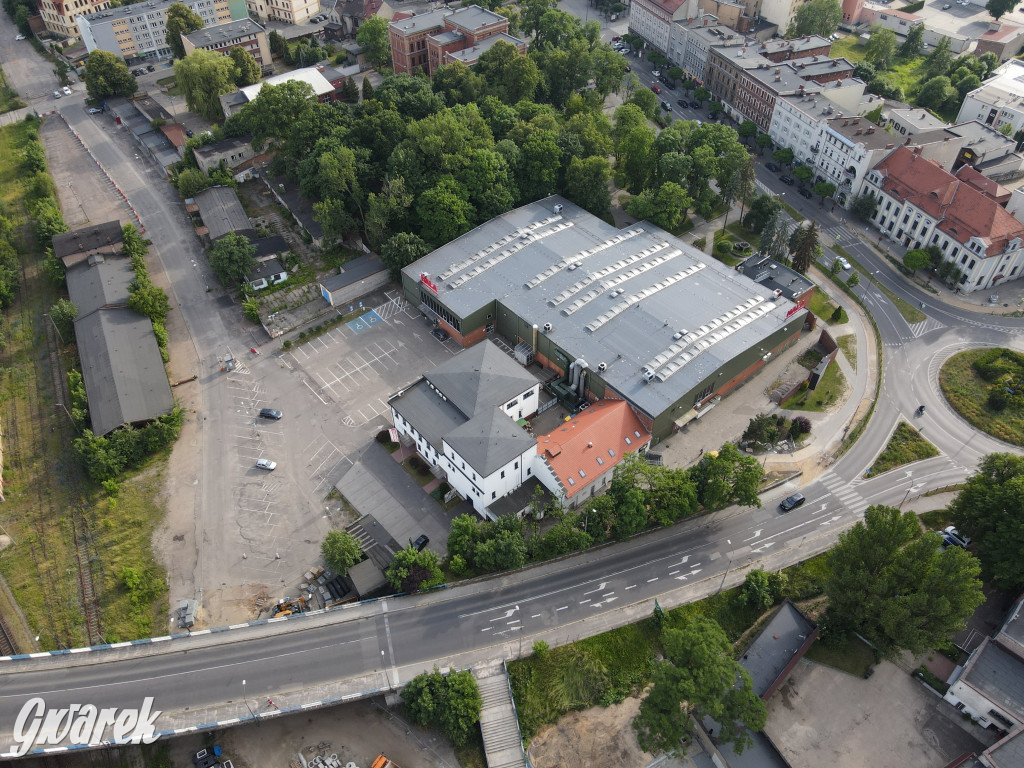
<point>1002,39</point>
<point>577,459</point>
<point>920,204</point>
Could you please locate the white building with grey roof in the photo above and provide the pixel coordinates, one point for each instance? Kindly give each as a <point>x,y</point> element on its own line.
<point>647,317</point>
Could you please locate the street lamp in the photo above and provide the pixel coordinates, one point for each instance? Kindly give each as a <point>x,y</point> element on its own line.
<point>253,714</point>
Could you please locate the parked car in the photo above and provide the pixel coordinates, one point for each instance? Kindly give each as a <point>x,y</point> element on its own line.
<point>617,38</point>
<point>843,263</point>
<point>958,538</point>
<point>666,106</point>
<point>150,68</point>
<point>655,88</point>
<point>440,334</point>
<point>656,73</point>
<point>786,180</point>
<point>805,192</point>
<point>681,102</point>
<point>772,167</point>
<point>270,413</point>
<point>67,91</point>
<point>94,110</point>
<point>56,94</point>
<point>792,502</point>
<point>188,132</point>
<point>695,105</point>
<point>671,84</point>
<point>420,542</point>
<point>19,37</point>
<point>266,464</point>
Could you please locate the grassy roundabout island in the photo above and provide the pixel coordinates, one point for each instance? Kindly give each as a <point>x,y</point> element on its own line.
<point>986,387</point>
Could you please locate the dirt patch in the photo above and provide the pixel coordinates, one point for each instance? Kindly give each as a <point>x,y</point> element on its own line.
<point>599,737</point>
<point>232,604</point>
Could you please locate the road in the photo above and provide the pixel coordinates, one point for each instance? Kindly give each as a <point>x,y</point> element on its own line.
<point>197,680</point>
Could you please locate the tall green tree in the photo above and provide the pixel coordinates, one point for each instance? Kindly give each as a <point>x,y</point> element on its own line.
<point>508,75</point>
<point>894,585</point>
<point>824,189</point>
<point>444,212</point>
<point>816,17</point>
<point>913,43</point>
<point>762,208</point>
<point>937,93</point>
<point>247,69</point>
<point>181,20</point>
<point>203,77</point>
<point>699,677</point>
<point>232,258</point>
<point>400,251</point>
<point>864,205</point>
<point>997,8</point>
<point>917,258</point>
<point>340,551</point>
<point>726,476</point>
<point>411,571</point>
<point>805,246</point>
<point>107,75</point>
<point>450,703</point>
<point>586,184</point>
<point>988,509</point>
<point>938,60</point>
<point>881,48</point>
<point>373,38</point>
<point>532,12</point>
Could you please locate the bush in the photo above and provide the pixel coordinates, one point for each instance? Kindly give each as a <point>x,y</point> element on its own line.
<point>700,243</point>
<point>799,427</point>
<point>287,344</point>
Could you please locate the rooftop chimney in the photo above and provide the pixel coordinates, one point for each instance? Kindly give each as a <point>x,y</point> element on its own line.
<point>859,132</point>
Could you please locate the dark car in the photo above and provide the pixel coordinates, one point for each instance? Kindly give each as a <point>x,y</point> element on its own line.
<point>617,38</point>
<point>440,334</point>
<point>792,502</point>
<point>270,413</point>
<point>420,543</point>
<point>786,179</point>
<point>671,84</point>
<point>804,192</point>
<point>629,68</point>
<point>188,132</point>
<point>695,104</point>
<point>772,167</point>
<point>150,68</point>
<point>681,102</point>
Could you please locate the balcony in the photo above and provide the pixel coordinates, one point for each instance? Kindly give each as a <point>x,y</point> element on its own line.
<point>816,148</point>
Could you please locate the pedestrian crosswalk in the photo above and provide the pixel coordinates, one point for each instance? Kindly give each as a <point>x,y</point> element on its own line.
<point>845,492</point>
<point>926,325</point>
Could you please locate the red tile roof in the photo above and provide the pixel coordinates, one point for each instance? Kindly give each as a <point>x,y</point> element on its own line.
<point>961,210</point>
<point>1001,31</point>
<point>592,442</point>
<point>983,184</point>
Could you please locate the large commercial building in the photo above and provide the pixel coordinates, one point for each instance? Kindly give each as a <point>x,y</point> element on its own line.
<point>59,16</point>
<point>920,204</point>
<point>653,19</point>
<point>139,31</point>
<point>638,315</point>
<point>999,100</point>
<point>428,41</point>
<point>244,33</point>
<point>288,11</point>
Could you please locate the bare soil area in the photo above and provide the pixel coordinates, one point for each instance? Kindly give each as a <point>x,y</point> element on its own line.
<point>599,737</point>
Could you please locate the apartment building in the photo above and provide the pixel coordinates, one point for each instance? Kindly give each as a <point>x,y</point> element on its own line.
<point>60,17</point>
<point>999,100</point>
<point>244,33</point>
<point>428,41</point>
<point>920,203</point>
<point>691,40</point>
<point>288,11</point>
<point>138,31</point>
<point>653,19</point>
<point>1002,39</point>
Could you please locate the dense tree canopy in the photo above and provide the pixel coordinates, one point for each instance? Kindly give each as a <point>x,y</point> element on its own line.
<point>340,551</point>
<point>181,20</point>
<point>988,509</point>
<point>372,36</point>
<point>450,703</point>
<point>203,77</point>
<point>232,258</point>
<point>881,48</point>
<point>894,585</point>
<point>816,17</point>
<point>107,75</point>
<point>247,69</point>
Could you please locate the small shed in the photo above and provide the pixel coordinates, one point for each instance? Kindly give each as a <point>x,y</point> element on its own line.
<point>267,273</point>
<point>358,278</point>
<point>367,578</point>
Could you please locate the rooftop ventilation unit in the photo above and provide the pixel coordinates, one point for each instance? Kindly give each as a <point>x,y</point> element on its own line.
<point>547,327</point>
<point>602,366</point>
<point>558,208</point>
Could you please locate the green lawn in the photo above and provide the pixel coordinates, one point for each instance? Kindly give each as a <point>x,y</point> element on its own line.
<point>905,72</point>
<point>848,344</point>
<point>967,392</point>
<point>856,657</point>
<point>9,100</point>
<point>829,390</point>
<point>822,306</point>
<point>742,233</point>
<point>904,447</point>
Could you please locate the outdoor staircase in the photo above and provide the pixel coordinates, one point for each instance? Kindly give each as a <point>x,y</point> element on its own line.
<point>503,742</point>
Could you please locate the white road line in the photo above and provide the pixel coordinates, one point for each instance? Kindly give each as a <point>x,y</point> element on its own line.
<point>654,579</point>
<point>315,394</point>
<point>584,602</point>
<point>564,607</point>
<point>631,586</point>
<point>535,616</point>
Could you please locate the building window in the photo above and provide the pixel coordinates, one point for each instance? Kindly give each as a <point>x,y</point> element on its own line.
<point>503,473</point>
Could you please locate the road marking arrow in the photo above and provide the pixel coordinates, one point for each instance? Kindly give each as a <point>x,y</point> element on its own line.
<point>756,534</point>
<point>694,572</point>
<point>831,520</point>
<point>602,585</point>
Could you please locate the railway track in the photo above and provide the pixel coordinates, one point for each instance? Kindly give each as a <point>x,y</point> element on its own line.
<point>7,647</point>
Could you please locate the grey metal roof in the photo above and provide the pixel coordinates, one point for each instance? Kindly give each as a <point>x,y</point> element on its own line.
<point>124,375</point>
<point>99,282</point>
<point>222,146</point>
<point>423,22</point>
<point>431,416</point>
<point>489,441</point>
<point>533,242</point>
<point>219,34</point>
<point>775,645</point>
<point>999,676</point>
<point>481,377</point>
<point>473,17</point>
<point>1008,753</point>
<point>265,269</point>
<point>775,276</point>
<point>222,213</point>
<point>107,235</point>
<point>476,51</point>
<point>354,271</point>
<point>1011,634</point>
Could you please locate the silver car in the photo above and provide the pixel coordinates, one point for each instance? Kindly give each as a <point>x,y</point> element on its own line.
<point>266,464</point>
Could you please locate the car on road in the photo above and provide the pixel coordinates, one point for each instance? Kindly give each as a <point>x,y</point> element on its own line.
<point>19,37</point>
<point>656,88</point>
<point>671,84</point>
<point>188,132</point>
<point>150,68</point>
<point>681,102</point>
<point>420,542</point>
<point>772,167</point>
<point>695,105</point>
<point>656,73</point>
<point>67,91</point>
<point>666,106</point>
<point>786,180</point>
<point>56,94</point>
<point>266,464</point>
<point>270,413</point>
<point>958,539</point>
<point>843,263</point>
<point>629,68</point>
<point>946,7</point>
<point>440,334</point>
<point>94,110</point>
<point>805,192</point>
<point>617,39</point>
<point>792,502</point>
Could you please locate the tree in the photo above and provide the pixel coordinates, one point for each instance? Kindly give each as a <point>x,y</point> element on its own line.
<point>367,89</point>
<point>699,677</point>
<point>150,301</point>
<point>803,174</point>
<point>762,208</point>
<point>586,184</point>
<point>63,314</point>
<point>387,212</point>
<point>761,589</point>
<point>374,39</point>
<point>999,7</point>
<point>864,205</point>
<point>726,475</point>
<point>444,212</point>
<point>988,510</point>
<point>824,189</point>
<point>939,60</point>
<point>937,93</point>
<point>804,245</point>
<point>702,94</point>
<point>203,77</point>
<point>747,129</point>
<point>715,108</point>
<point>1006,129</point>
<point>107,75</point>
<point>763,141</point>
<point>532,12</point>
<point>340,551</point>
<point>450,703</point>
<point>853,280</point>
<point>914,42</point>
<point>775,237</point>
<point>783,156</point>
<point>33,158</point>
<point>881,48</point>
<point>400,251</point>
<point>247,70</point>
<point>817,17</point>
<point>192,181</point>
<point>412,570</point>
<point>894,585</point>
<point>916,259</point>
<point>181,20</point>
<point>763,429</point>
<point>231,258</point>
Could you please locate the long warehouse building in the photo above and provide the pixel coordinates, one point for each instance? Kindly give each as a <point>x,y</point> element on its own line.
<point>632,314</point>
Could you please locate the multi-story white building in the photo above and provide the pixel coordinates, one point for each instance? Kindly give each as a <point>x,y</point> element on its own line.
<point>653,19</point>
<point>59,16</point>
<point>139,31</point>
<point>920,204</point>
<point>999,100</point>
<point>689,44</point>
<point>288,11</point>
